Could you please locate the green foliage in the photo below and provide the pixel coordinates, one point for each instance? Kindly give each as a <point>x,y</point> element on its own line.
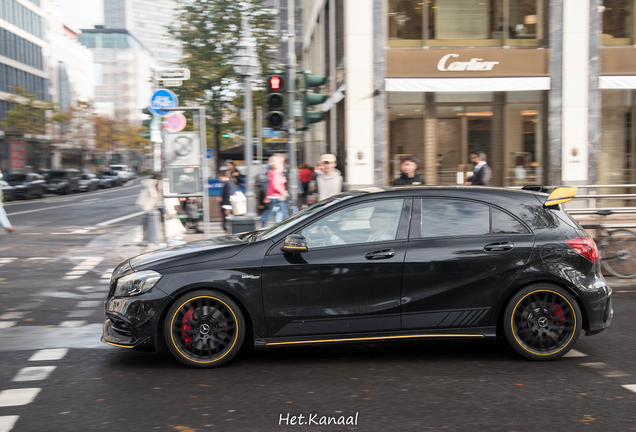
<point>28,115</point>
<point>209,30</point>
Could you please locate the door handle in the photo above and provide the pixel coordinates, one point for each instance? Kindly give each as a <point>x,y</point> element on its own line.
<point>499,247</point>
<point>380,254</point>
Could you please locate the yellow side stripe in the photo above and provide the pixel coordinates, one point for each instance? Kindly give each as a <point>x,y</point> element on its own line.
<point>376,338</point>
<point>117,345</point>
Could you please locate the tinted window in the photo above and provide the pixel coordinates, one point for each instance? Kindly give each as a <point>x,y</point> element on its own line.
<point>17,177</point>
<point>363,223</point>
<point>450,218</point>
<point>503,223</point>
<point>58,174</point>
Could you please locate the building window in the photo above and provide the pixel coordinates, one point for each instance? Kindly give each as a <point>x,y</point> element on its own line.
<point>465,23</point>
<point>525,25</point>
<point>405,22</point>
<point>617,22</point>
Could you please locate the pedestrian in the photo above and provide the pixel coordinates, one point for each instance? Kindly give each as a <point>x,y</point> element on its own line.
<point>328,178</point>
<point>235,175</point>
<point>306,174</point>
<point>408,177</point>
<point>150,194</point>
<point>482,172</point>
<point>225,206</point>
<point>4,220</point>
<point>276,193</point>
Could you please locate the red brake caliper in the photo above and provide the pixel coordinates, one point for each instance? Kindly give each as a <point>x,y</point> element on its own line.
<point>558,314</point>
<point>186,318</point>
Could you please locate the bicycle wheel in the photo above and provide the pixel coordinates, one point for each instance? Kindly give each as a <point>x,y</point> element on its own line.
<point>618,253</point>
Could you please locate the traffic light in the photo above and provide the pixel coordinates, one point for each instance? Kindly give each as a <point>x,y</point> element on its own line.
<point>311,98</point>
<point>275,101</point>
<point>146,124</point>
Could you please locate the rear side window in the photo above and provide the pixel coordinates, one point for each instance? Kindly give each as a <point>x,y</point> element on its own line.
<point>503,223</point>
<point>452,218</point>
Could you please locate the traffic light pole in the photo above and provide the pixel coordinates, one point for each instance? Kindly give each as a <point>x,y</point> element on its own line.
<point>292,178</point>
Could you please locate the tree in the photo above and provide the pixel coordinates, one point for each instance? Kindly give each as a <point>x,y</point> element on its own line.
<point>208,31</point>
<point>28,115</point>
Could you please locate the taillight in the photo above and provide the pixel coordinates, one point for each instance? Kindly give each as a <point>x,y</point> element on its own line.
<point>585,247</point>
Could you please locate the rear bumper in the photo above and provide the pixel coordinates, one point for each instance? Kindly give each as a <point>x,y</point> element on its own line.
<point>597,295</point>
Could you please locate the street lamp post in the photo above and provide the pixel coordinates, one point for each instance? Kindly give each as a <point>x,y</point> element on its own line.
<point>246,65</point>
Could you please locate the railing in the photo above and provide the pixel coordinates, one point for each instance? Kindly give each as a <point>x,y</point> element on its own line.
<point>593,204</point>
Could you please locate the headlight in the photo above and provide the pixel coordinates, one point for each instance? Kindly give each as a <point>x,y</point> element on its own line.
<point>136,283</point>
<point>20,186</point>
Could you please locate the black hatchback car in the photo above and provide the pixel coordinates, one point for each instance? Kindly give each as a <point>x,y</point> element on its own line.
<point>372,265</point>
<point>28,185</point>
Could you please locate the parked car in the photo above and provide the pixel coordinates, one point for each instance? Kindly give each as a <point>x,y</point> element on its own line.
<point>104,181</point>
<point>114,176</point>
<point>88,182</point>
<point>123,171</point>
<point>372,265</point>
<point>8,191</point>
<point>27,185</point>
<point>63,181</point>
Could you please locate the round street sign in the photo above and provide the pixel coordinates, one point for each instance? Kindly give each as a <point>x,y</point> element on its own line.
<point>175,122</point>
<point>163,101</point>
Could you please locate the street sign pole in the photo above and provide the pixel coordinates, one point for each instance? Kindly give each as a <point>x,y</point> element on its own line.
<point>291,122</point>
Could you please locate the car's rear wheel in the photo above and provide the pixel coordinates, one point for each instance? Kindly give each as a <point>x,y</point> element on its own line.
<point>542,322</point>
<point>204,329</point>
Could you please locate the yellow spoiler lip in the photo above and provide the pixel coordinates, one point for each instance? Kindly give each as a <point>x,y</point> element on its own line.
<point>561,195</point>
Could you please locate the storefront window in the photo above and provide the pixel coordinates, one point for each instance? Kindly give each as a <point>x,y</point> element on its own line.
<point>525,25</point>
<point>617,22</point>
<point>405,22</point>
<point>465,23</point>
<point>523,145</point>
<point>406,114</point>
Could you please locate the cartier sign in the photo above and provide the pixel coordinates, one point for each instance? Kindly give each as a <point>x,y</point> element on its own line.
<point>475,64</point>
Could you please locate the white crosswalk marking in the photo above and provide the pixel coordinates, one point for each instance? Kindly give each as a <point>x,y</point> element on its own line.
<point>575,353</point>
<point>12,315</point>
<point>49,354</point>
<point>18,397</point>
<point>34,373</point>
<point>4,261</point>
<point>6,324</point>
<point>80,314</point>
<point>631,387</point>
<point>605,370</point>
<point>7,423</point>
<point>72,323</point>
<point>89,304</point>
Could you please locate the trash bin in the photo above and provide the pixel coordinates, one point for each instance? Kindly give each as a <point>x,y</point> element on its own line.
<point>153,232</point>
<point>241,224</point>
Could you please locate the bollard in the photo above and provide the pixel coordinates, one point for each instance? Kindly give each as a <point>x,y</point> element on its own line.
<point>153,232</point>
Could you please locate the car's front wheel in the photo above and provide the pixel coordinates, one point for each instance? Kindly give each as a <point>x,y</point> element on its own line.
<point>204,329</point>
<point>542,322</point>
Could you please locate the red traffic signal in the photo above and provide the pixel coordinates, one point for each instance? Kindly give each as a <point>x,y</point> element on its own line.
<point>275,83</point>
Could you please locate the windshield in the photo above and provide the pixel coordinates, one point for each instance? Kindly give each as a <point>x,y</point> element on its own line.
<point>16,177</point>
<point>302,215</point>
<point>57,174</point>
<point>116,168</point>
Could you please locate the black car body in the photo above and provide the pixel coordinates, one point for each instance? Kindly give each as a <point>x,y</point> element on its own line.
<point>8,191</point>
<point>63,181</point>
<point>114,177</point>
<point>372,265</point>
<point>27,185</point>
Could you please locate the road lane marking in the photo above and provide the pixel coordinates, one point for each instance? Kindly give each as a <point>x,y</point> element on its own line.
<point>605,370</point>
<point>49,354</point>
<point>18,397</point>
<point>89,304</point>
<point>7,423</point>
<point>80,314</point>
<point>6,324</point>
<point>575,353</point>
<point>34,373</point>
<point>112,221</point>
<point>630,387</point>
<point>68,205</point>
<point>72,323</point>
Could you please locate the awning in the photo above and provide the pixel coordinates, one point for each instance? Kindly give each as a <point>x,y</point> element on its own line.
<point>617,82</point>
<point>466,84</point>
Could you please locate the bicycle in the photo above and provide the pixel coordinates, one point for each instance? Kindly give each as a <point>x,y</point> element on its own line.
<point>617,248</point>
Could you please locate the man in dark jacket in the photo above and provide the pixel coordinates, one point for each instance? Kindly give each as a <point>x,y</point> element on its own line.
<point>482,172</point>
<point>408,165</point>
<point>225,206</point>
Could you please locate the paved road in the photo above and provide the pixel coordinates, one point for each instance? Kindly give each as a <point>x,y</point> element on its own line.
<point>56,376</point>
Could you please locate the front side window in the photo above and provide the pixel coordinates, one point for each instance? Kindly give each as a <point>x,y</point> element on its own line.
<point>369,222</point>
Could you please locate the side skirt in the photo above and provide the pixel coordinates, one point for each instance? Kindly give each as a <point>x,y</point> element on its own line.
<point>451,333</point>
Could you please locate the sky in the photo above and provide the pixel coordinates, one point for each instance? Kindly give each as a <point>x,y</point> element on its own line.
<point>82,14</point>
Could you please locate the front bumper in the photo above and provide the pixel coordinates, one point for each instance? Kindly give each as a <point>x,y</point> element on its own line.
<point>134,322</point>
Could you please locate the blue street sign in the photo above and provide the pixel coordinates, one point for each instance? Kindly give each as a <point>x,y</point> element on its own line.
<point>271,133</point>
<point>210,153</point>
<point>163,101</point>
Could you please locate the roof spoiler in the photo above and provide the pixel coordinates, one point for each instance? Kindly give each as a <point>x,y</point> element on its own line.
<point>560,195</point>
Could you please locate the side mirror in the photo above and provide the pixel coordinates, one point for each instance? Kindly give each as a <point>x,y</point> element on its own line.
<point>294,243</point>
